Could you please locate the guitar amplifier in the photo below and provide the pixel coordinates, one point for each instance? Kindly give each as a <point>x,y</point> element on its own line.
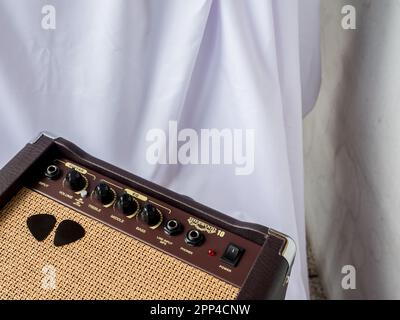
<point>75,227</point>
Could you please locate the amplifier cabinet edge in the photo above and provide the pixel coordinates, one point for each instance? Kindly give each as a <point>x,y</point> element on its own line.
<point>269,273</point>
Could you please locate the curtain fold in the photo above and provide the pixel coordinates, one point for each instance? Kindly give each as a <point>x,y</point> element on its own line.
<point>351,146</point>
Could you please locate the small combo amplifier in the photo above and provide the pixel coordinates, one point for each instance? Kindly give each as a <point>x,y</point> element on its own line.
<point>75,227</point>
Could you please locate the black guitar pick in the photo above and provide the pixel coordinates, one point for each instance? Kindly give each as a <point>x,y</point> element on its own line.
<point>41,225</point>
<point>67,232</point>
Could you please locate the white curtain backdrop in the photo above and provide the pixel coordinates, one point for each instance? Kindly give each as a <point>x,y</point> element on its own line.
<point>352,152</point>
<point>113,69</point>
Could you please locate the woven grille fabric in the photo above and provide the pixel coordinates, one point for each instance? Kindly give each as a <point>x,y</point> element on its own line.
<point>105,264</point>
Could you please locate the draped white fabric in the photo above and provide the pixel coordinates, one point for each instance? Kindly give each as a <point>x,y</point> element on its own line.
<point>352,153</point>
<point>112,70</point>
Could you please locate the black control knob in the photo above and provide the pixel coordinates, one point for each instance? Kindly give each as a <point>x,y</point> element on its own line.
<point>75,180</point>
<point>150,215</point>
<point>104,193</point>
<point>127,204</point>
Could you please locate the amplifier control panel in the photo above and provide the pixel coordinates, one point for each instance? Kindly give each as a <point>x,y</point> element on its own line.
<point>166,228</point>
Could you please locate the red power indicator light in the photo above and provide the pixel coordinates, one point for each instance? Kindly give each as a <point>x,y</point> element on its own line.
<point>211,253</point>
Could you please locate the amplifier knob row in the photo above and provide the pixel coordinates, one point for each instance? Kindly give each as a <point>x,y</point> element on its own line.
<point>127,205</point>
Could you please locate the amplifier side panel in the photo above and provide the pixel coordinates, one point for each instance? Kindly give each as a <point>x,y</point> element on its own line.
<point>12,173</point>
<point>269,276</point>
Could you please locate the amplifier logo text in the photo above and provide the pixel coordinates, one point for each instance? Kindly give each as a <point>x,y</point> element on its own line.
<point>201,226</point>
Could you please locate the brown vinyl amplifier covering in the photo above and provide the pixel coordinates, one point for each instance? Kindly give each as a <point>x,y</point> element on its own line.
<point>105,264</point>
<point>123,255</point>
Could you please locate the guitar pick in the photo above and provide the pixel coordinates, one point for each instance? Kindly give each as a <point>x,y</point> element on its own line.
<point>68,232</point>
<point>41,225</point>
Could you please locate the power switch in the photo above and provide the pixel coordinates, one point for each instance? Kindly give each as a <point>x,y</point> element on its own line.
<point>232,254</point>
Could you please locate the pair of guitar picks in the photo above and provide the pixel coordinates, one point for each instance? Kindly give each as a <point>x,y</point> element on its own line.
<point>68,231</point>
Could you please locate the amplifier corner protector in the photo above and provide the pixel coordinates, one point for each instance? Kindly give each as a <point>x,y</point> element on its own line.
<point>41,134</point>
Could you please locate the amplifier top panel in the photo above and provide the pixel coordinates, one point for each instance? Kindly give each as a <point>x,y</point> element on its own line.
<point>158,224</point>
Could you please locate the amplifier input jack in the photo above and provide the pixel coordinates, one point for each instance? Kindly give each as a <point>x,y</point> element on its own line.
<point>52,172</point>
<point>173,227</point>
<point>194,238</point>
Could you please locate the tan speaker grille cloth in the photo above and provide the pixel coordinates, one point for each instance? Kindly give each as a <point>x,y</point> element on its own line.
<point>105,264</point>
